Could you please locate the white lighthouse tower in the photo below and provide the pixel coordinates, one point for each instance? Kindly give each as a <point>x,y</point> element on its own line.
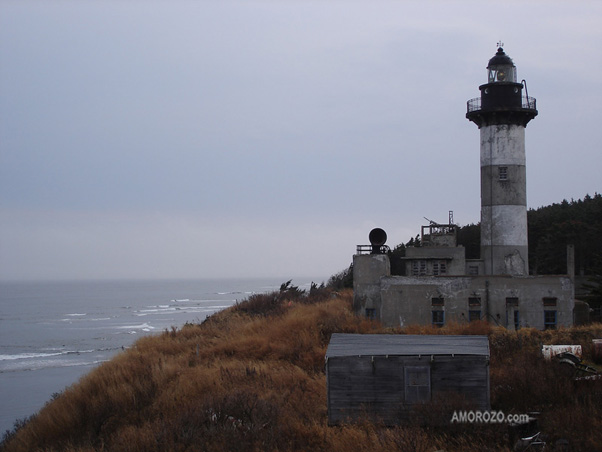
<point>502,113</point>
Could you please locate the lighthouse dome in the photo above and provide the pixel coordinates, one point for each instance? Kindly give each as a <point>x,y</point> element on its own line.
<point>501,68</point>
<point>500,58</point>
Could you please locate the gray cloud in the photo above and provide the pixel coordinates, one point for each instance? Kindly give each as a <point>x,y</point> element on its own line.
<point>184,133</point>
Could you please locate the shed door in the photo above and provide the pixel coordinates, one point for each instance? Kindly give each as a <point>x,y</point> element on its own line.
<point>417,384</point>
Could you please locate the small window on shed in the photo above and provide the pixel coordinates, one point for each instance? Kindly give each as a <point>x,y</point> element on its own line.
<point>417,384</point>
<point>549,301</point>
<point>371,313</point>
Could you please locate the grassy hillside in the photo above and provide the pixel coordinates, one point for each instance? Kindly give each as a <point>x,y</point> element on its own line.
<point>251,378</point>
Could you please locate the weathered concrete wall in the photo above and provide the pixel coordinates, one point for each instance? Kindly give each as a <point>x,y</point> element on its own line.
<point>504,239</point>
<point>368,269</point>
<point>442,240</point>
<point>504,144</point>
<point>475,267</point>
<point>408,300</point>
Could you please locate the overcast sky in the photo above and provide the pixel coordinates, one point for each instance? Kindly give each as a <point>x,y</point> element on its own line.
<point>176,139</point>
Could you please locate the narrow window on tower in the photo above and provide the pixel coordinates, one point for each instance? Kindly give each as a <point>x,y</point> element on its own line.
<point>503,172</point>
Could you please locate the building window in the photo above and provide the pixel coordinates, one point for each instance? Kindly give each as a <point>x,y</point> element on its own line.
<point>503,172</point>
<point>473,270</point>
<point>439,268</point>
<point>474,301</point>
<point>438,318</point>
<point>549,320</point>
<point>512,306</point>
<point>511,302</point>
<point>417,382</point>
<point>549,301</point>
<point>437,301</point>
<point>418,268</point>
<point>474,315</point>
<point>371,313</point>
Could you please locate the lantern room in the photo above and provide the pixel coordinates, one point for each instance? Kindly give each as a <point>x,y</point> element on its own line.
<point>501,68</point>
<point>502,100</point>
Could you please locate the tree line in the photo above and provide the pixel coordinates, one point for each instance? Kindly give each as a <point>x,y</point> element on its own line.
<point>551,229</point>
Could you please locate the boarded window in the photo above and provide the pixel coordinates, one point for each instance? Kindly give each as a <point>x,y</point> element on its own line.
<point>417,384</point>
<point>437,301</point>
<point>549,320</point>
<point>474,301</point>
<point>549,301</point>
<point>511,302</point>
<point>473,270</point>
<point>474,315</point>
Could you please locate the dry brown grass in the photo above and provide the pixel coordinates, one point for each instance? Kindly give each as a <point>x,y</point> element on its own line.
<point>251,378</point>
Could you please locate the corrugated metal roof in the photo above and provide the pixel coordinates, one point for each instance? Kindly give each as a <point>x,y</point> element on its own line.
<point>405,344</point>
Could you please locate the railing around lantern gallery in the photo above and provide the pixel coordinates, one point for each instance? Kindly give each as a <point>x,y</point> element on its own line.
<point>527,102</point>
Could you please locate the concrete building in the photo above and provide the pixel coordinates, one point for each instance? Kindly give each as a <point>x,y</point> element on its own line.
<point>439,284</point>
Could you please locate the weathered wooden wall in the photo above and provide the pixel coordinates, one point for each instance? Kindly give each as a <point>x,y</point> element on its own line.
<point>375,386</point>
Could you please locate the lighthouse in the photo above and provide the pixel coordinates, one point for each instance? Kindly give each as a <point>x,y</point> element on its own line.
<point>434,284</point>
<point>501,113</point>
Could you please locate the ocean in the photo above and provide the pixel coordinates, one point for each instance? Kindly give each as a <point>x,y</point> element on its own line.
<point>52,333</point>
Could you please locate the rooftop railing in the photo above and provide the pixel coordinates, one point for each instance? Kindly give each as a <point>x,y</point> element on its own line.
<point>368,249</point>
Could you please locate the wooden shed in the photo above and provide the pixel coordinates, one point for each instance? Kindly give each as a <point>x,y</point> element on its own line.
<point>384,376</point>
